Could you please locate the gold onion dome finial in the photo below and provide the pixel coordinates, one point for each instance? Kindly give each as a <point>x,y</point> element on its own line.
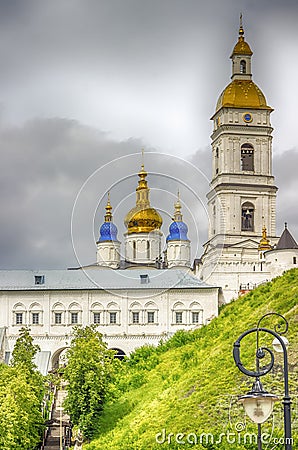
<point>242,47</point>
<point>264,242</point>
<point>108,215</point>
<point>142,218</point>
<point>177,213</point>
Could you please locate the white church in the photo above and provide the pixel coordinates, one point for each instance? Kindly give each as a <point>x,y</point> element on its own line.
<point>149,294</point>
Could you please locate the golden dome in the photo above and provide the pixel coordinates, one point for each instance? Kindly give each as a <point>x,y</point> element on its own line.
<point>242,47</point>
<point>142,218</point>
<point>242,94</point>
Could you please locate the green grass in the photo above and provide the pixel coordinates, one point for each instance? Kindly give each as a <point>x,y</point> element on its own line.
<point>190,383</point>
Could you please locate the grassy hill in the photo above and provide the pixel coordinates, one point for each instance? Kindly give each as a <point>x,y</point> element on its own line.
<point>190,384</point>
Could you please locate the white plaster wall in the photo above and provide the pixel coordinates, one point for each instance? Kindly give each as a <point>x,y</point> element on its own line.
<point>141,255</point>
<point>123,334</point>
<point>178,253</point>
<point>108,254</point>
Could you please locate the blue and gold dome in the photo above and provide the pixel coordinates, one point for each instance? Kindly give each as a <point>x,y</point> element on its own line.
<point>178,229</point>
<point>108,231</point>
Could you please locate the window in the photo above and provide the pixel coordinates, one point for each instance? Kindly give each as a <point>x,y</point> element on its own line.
<point>144,278</point>
<point>148,249</point>
<point>135,317</point>
<point>19,318</point>
<point>195,317</point>
<point>58,318</point>
<point>19,314</point>
<point>96,317</point>
<point>242,66</point>
<point>74,318</point>
<point>247,157</point>
<point>134,247</point>
<point>113,317</point>
<point>39,279</point>
<point>294,260</point>
<point>35,314</point>
<point>247,217</point>
<point>58,314</point>
<point>150,317</point>
<point>178,317</point>
<point>196,314</point>
<point>35,318</point>
<point>74,314</point>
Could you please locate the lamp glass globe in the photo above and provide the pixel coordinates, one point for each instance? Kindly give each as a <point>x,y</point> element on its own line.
<point>258,409</point>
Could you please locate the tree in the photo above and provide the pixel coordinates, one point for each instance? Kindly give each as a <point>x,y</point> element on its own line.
<point>89,369</point>
<point>20,405</point>
<point>24,350</point>
<point>21,393</point>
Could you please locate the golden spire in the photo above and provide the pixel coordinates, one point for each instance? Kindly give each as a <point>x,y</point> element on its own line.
<point>241,30</point>
<point>142,190</point>
<point>142,218</point>
<point>242,47</point>
<point>264,242</point>
<point>177,213</point>
<point>108,215</point>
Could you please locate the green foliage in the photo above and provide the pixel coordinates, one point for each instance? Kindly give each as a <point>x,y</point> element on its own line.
<point>20,403</point>
<point>89,370</point>
<point>21,394</point>
<point>190,384</point>
<point>24,350</point>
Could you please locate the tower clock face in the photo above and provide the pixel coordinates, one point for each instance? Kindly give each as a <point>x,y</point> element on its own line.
<point>247,117</point>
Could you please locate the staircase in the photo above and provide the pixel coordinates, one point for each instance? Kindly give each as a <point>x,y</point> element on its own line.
<point>55,439</point>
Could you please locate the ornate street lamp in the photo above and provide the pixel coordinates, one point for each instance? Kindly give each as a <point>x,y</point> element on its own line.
<point>258,403</point>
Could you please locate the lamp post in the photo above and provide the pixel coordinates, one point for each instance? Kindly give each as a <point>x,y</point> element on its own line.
<point>258,403</point>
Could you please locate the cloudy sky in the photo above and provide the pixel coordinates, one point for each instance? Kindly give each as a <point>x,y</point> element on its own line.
<point>86,83</point>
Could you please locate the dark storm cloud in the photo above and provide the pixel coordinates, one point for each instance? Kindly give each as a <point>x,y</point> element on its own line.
<point>140,68</point>
<point>45,163</point>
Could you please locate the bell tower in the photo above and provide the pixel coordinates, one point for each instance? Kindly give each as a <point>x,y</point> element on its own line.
<point>242,196</point>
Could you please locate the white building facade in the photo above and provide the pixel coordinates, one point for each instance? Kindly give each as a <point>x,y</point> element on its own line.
<point>149,295</point>
<point>130,307</point>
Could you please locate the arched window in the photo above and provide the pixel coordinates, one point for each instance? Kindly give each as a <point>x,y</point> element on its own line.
<point>97,313</point>
<point>179,314</point>
<point>148,249</point>
<point>35,314</point>
<point>135,313</point>
<point>134,247</point>
<point>19,314</point>
<point>247,217</point>
<point>151,312</point>
<point>242,66</point>
<point>113,313</point>
<point>74,314</point>
<point>196,314</point>
<point>58,314</point>
<point>247,157</point>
